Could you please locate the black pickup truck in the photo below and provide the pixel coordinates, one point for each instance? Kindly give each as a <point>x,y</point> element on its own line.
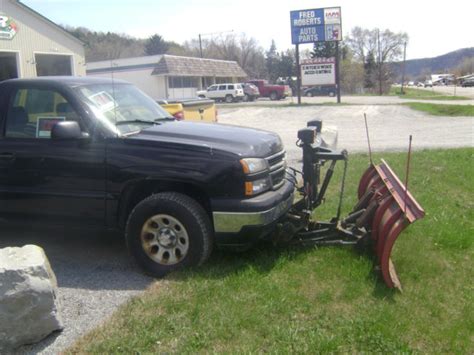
<point>88,151</point>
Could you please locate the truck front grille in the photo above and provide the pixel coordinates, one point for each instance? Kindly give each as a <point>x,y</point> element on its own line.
<point>277,165</point>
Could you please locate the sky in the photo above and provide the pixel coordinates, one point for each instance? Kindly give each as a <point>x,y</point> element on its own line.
<point>434,27</point>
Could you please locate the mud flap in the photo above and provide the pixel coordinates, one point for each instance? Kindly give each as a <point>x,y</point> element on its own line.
<point>395,209</point>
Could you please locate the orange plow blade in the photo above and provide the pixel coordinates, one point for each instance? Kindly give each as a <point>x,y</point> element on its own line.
<point>389,209</point>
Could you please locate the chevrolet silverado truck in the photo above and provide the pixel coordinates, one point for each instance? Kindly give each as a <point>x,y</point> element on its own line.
<point>274,92</point>
<point>97,152</point>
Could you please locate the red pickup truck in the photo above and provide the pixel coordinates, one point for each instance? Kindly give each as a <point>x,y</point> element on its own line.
<point>274,92</point>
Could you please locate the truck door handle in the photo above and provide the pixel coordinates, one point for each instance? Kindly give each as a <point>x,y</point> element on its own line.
<point>7,156</point>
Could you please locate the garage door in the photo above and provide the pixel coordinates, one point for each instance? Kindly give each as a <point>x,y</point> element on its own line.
<point>8,66</point>
<point>48,65</point>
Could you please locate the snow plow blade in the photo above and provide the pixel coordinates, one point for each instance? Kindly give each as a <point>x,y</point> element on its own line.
<point>389,209</point>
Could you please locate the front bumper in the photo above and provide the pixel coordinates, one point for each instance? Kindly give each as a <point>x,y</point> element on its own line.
<point>238,222</point>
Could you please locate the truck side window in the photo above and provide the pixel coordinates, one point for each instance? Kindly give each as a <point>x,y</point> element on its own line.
<point>230,87</point>
<point>222,87</point>
<point>212,88</point>
<point>32,113</point>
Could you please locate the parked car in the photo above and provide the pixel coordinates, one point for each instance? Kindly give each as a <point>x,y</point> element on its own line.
<point>204,110</point>
<point>100,153</point>
<point>428,84</point>
<point>468,83</point>
<point>251,92</point>
<point>223,92</point>
<point>320,91</point>
<point>411,83</point>
<point>274,92</point>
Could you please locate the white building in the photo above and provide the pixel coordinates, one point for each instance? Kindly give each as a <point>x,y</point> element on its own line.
<point>31,45</point>
<point>168,76</point>
<point>442,79</point>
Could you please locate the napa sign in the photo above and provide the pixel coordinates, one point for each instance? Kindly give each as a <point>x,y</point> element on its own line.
<point>316,25</point>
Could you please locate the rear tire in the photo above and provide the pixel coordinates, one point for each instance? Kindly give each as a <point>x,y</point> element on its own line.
<point>331,94</point>
<point>309,94</point>
<point>168,231</point>
<point>229,99</point>
<point>246,98</point>
<point>273,96</point>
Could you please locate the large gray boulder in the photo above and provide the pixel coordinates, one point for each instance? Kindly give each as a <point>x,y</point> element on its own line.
<point>28,302</point>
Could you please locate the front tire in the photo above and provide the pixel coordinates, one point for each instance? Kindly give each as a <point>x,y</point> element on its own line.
<point>273,96</point>
<point>168,231</point>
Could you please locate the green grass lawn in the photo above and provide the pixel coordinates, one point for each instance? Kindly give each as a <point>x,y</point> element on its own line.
<point>443,110</point>
<point>423,94</point>
<point>328,299</point>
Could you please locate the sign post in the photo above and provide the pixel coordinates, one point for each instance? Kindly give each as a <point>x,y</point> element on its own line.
<point>316,25</point>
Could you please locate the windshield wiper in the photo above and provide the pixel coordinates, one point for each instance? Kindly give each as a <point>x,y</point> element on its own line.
<point>170,118</point>
<point>119,123</point>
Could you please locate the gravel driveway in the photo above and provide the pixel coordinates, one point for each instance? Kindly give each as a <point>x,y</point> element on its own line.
<point>389,126</point>
<point>361,100</point>
<point>95,276</point>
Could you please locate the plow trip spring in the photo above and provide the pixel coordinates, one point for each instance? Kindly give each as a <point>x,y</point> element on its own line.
<point>385,207</point>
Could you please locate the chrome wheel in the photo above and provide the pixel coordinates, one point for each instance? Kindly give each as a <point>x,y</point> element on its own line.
<point>164,239</point>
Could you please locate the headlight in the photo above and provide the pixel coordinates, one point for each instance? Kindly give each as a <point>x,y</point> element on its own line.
<point>253,165</point>
<point>257,186</point>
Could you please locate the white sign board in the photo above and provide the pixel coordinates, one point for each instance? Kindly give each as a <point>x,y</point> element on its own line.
<point>318,71</point>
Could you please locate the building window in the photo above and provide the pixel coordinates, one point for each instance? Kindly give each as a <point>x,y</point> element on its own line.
<point>223,80</point>
<point>179,82</point>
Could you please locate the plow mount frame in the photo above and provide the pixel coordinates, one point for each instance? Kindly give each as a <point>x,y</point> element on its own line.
<point>385,207</point>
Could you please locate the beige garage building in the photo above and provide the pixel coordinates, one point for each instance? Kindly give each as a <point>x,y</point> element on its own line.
<point>169,76</point>
<point>31,45</point>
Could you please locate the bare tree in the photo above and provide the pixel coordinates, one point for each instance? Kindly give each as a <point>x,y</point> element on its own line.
<point>382,46</point>
<point>237,47</point>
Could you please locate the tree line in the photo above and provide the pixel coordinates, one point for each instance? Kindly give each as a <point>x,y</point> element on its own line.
<point>366,54</point>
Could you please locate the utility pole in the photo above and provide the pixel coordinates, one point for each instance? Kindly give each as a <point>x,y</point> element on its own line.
<point>403,66</point>
<point>298,74</point>
<point>200,45</point>
<point>379,62</point>
<point>338,78</point>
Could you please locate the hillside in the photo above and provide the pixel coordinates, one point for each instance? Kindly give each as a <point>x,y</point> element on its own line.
<point>441,64</point>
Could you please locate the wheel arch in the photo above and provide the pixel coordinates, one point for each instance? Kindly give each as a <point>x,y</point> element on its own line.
<point>137,191</point>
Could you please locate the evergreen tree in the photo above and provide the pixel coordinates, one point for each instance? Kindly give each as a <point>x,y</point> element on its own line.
<point>272,60</point>
<point>156,45</point>
<point>370,67</point>
<point>324,50</point>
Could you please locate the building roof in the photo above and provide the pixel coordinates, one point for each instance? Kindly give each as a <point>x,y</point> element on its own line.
<point>124,63</point>
<point>171,65</point>
<point>47,20</point>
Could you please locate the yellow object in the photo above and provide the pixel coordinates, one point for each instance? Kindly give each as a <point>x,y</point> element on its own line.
<point>200,110</point>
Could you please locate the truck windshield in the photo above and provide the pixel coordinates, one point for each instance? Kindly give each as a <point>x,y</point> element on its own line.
<point>122,107</point>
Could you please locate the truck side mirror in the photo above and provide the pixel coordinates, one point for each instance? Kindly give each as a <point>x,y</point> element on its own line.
<point>66,130</point>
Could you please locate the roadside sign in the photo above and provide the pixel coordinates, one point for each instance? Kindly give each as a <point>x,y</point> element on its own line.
<point>318,71</point>
<point>316,25</point>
